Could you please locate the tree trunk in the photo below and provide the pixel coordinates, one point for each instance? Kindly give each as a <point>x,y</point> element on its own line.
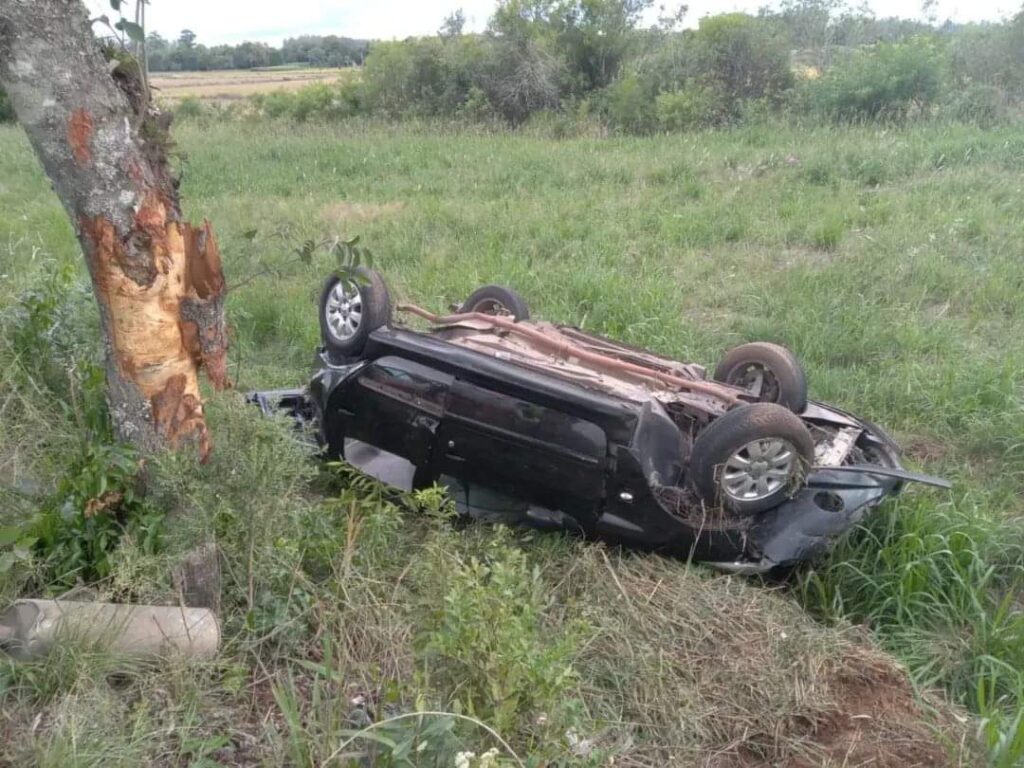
<point>157,279</point>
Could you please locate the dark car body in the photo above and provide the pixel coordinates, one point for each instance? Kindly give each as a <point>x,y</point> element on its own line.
<point>532,445</point>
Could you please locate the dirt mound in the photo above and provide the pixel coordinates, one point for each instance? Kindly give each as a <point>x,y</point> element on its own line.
<point>876,721</point>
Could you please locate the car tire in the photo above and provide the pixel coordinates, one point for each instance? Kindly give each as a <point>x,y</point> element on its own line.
<point>751,459</point>
<point>496,300</point>
<point>350,309</point>
<point>770,371</point>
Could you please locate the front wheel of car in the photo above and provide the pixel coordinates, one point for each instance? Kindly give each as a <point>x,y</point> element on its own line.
<point>769,372</point>
<point>752,458</point>
<point>351,307</point>
<point>496,300</point>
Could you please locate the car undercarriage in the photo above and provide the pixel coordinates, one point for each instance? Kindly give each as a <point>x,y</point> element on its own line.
<point>548,425</point>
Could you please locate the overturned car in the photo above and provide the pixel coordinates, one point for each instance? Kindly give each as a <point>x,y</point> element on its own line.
<point>554,427</point>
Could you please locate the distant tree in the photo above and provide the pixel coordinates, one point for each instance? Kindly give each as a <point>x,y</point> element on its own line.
<point>248,55</point>
<point>811,25</point>
<point>741,57</point>
<point>452,25</point>
<point>187,38</point>
<point>526,77</point>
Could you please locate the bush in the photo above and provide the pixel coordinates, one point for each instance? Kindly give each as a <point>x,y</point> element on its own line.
<point>488,642</point>
<point>741,57</point>
<point>189,108</point>
<point>629,105</point>
<point>405,79</point>
<point>889,81</point>
<point>991,55</point>
<point>692,107</point>
<point>704,77</point>
<point>983,105</point>
<point>319,101</point>
<point>6,110</point>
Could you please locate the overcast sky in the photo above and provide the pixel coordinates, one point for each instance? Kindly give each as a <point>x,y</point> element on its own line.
<point>232,21</point>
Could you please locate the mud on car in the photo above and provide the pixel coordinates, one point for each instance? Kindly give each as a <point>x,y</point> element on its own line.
<point>551,426</point>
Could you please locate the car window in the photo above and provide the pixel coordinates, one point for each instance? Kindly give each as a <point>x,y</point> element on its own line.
<point>526,419</point>
<point>408,382</point>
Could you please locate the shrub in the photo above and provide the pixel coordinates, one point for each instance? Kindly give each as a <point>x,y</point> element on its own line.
<point>692,107</point>
<point>629,105</point>
<point>525,78</point>
<point>405,78</point>
<point>275,104</point>
<point>96,504</point>
<point>983,105</point>
<point>189,108</point>
<point>488,641</point>
<point>991,55</point>
<point>741,57</point>
<point>888,81</point>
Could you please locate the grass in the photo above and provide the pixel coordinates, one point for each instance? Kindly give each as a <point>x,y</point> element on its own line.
<point>888,259</point>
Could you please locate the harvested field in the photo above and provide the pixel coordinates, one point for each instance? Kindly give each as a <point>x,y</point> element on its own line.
<point>234,84</point>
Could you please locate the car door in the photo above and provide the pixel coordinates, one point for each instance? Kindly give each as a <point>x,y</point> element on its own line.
<point>395,407</point>
<point>541,454</point>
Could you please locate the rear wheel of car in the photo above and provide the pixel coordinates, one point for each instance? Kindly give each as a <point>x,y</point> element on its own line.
<point>769,372</point>
<point>351,307</point>
<point>752,458</point>
<point>496,300</point>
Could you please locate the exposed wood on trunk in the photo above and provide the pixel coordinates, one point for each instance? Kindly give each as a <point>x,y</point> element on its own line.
<point>158,280</point>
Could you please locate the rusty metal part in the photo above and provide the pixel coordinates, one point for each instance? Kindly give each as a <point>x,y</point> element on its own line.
<point>560,346</point>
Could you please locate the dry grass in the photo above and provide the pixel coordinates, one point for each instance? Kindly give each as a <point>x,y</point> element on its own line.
<point>234,84</point>
<point>717,673</point>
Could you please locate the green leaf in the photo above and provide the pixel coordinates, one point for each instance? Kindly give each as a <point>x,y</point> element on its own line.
<point>116,5</point>
<point>9,535</point>
<point>7,560</point>
<point>133,30</point>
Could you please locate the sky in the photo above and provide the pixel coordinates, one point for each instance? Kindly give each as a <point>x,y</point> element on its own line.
<point>232,21</point>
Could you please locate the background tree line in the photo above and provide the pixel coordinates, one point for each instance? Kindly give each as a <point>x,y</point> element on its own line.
<point>595,61</point>
<point>186,55</point>
<point>592,60</point>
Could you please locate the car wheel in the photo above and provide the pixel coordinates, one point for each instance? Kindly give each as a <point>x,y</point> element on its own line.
<point>496,300</point>
<point>752,458</point>
<point>769,372</point>
<point>351,308</point>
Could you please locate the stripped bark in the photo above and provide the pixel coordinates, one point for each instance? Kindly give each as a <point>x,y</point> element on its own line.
<point>157,279</point>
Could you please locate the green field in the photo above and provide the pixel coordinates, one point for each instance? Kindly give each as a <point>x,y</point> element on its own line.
<point>888,259</point>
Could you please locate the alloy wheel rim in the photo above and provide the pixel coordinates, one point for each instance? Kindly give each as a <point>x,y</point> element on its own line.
<point>344,310</point>
<point>759,469</point>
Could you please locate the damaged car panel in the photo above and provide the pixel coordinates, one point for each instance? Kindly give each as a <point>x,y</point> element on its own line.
<point>547,425</point>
